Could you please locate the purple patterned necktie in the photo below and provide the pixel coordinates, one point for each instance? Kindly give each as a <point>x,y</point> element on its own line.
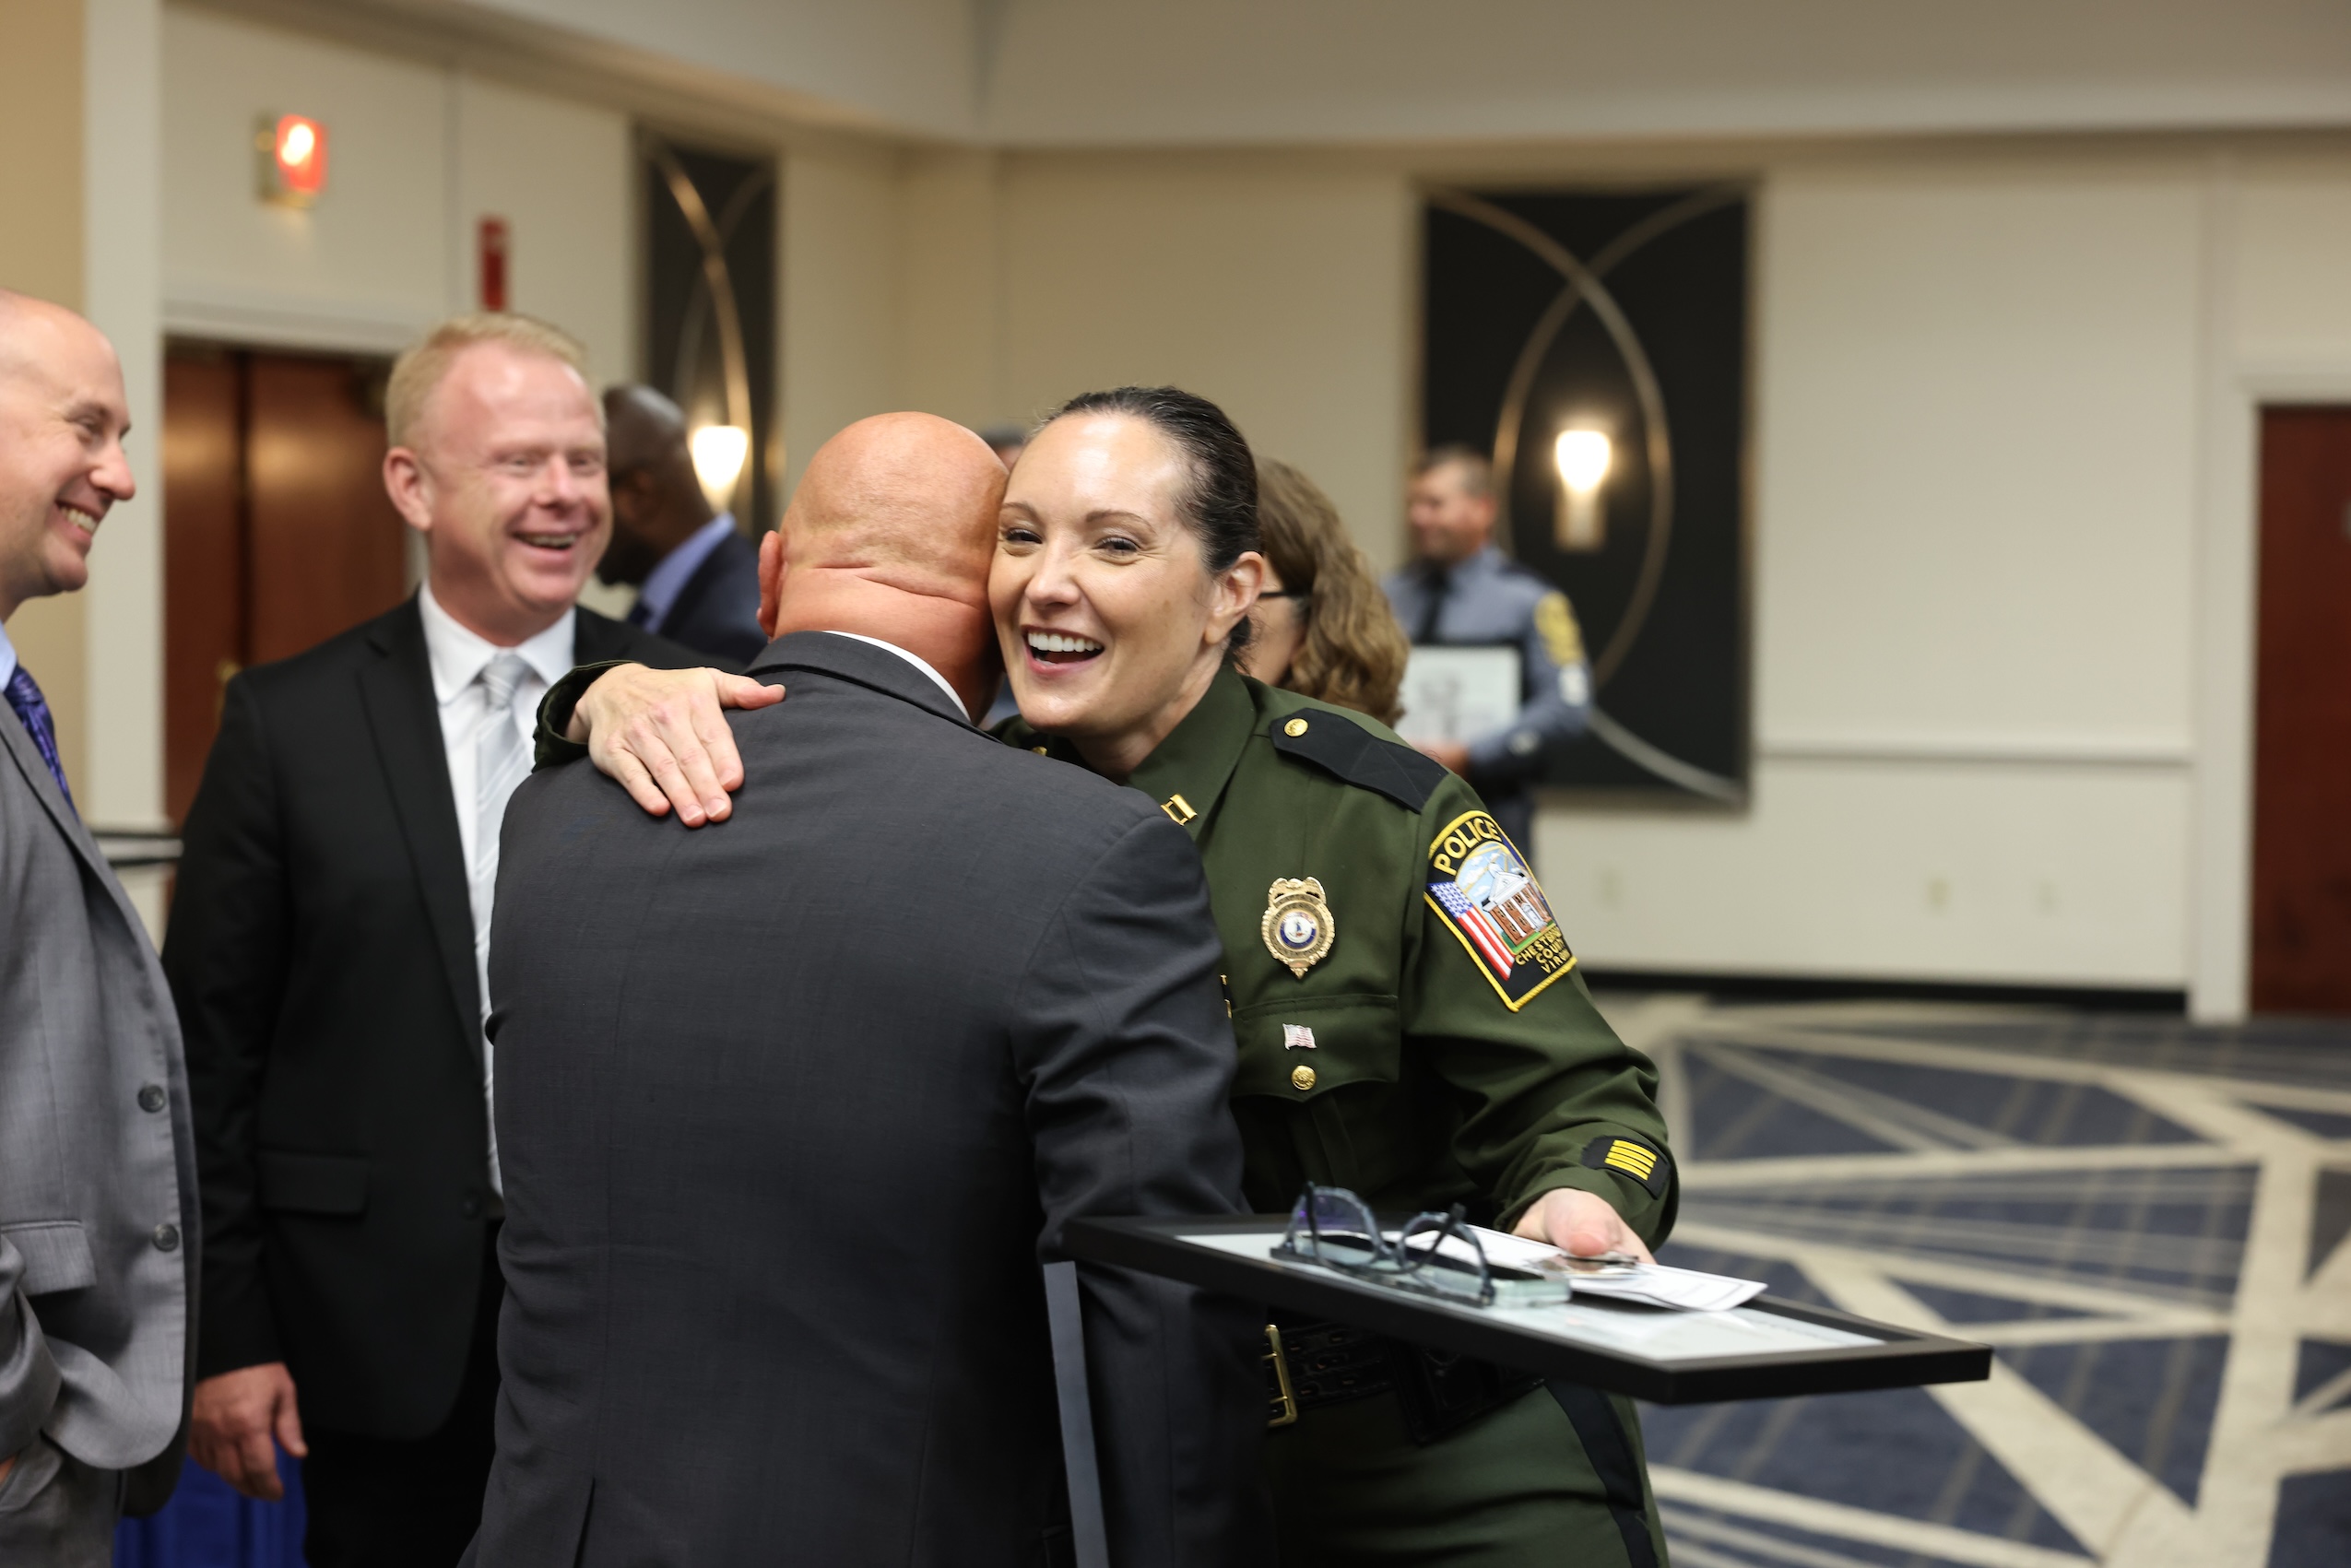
<point>25,697</point>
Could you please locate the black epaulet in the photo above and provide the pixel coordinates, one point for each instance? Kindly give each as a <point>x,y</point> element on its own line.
<point>1348,750</point>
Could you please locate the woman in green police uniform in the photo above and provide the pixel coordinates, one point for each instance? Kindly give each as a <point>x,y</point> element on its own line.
<point>1408,1021</point>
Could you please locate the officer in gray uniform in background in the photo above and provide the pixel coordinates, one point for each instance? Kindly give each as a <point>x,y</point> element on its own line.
<point>1459,591</point>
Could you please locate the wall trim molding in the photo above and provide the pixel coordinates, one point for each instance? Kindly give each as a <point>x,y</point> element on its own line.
<point>262,319</point>
<point>1990,750</point>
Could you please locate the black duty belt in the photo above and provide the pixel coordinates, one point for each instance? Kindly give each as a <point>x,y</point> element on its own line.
<point>1311,1364</point>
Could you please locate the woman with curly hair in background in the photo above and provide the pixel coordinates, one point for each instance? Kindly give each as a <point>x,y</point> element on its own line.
<point>1323,627</point>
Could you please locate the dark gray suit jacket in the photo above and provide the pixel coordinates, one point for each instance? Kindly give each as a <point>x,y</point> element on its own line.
<point>97,1196</point>
<point>790,1108</point>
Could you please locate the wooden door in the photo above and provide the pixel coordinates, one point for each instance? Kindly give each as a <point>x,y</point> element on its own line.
<point>203,570</point>
<point>277,534</point>
<point>2301,960</point>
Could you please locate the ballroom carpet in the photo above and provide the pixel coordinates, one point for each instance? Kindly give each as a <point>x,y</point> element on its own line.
<point>2144,1218</point>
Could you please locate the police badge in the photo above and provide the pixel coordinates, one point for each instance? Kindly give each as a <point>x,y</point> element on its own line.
<point>1297,928</point>
<point>1485,893</point>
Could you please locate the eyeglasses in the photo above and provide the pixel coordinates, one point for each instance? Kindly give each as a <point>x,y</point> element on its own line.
<point>1285,594</point>
<point>1332,1227</point>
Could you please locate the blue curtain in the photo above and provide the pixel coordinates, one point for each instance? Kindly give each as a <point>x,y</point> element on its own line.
<point>207,1526</point>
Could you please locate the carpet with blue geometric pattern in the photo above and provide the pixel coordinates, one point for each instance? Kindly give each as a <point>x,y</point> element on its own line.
<point>2144,1218</point>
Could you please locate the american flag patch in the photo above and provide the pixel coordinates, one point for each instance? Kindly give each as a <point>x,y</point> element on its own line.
<point>1475,925</point>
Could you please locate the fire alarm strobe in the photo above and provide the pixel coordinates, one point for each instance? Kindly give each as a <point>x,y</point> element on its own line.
<point>290,157</point>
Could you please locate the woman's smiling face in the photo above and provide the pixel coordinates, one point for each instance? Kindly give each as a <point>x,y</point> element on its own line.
<point>1111,623</point>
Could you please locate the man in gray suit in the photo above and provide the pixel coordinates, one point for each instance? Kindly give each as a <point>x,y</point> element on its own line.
<point>97,1175</point>
<point>791,1109</point>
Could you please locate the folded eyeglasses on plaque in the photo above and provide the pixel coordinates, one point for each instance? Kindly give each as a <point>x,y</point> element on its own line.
<point>1431,1254</point>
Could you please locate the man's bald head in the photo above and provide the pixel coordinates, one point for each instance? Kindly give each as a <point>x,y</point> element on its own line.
<point>63,416</point>
<point>890,535</point>
<point>906,499</point>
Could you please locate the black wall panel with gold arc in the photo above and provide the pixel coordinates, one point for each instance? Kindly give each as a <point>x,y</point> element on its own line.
<point>710,301</point>
<point>1623,311</point>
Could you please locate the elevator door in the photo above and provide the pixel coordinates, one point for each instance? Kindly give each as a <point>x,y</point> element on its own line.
<point>277,534</point>
<point>2302,716</point>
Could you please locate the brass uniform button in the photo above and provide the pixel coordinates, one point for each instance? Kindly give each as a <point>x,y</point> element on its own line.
<point>1038,749</point>
<point>1294,727</point>
<point>1301,1079</point>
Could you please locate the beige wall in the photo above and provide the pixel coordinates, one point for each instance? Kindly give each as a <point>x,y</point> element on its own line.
<point>1975,509</point>
<point>40,253</point>
<point>418,155</point>
<point>1306,73</point>
<point>1282,292</point>
<point>1993,470</point>
<point>840,316</point>
<point>40,108</point>
<point>1330,72</point>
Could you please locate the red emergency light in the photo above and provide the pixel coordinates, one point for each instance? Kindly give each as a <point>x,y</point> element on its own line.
<point>292,150</point>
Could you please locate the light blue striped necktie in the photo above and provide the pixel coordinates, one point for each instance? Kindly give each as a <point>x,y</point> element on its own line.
<point>501,761</point>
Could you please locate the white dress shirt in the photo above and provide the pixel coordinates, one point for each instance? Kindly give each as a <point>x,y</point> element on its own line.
<point>915,659</point>
<point>458,657</point>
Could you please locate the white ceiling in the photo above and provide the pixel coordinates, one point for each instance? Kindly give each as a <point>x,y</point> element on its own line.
<point>1100,73</point>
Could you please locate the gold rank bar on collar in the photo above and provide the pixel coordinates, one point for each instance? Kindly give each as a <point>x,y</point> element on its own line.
<point>1180,810</point>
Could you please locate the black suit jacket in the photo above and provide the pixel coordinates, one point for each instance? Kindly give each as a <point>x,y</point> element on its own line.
<point>321,954</point>
<point>717,610</point>
<point>791,1108</point>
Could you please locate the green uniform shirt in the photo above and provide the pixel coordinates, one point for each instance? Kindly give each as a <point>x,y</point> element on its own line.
<point>1452,1057</point>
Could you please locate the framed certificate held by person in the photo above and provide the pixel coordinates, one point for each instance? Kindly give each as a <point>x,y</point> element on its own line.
<point>1458,694</point>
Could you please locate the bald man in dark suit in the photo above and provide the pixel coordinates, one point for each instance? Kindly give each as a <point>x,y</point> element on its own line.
<point>790,1108</point>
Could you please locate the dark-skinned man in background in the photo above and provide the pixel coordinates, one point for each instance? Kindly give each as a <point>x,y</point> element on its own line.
<point>696,575</point>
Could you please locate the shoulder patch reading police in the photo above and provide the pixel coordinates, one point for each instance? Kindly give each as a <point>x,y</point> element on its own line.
<point>1484,890</point>
<point>1650,1167</point>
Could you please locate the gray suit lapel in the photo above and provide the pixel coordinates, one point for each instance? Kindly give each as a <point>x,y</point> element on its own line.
<point>21,751</point>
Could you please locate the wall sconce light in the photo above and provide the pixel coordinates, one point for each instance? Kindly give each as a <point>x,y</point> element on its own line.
<point>719,452</point>
<point>290,159</point>
<point>1583,458</point>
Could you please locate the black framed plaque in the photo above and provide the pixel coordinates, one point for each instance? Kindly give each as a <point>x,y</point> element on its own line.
<point>1765,1350</point>
<point>1621,315</point>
